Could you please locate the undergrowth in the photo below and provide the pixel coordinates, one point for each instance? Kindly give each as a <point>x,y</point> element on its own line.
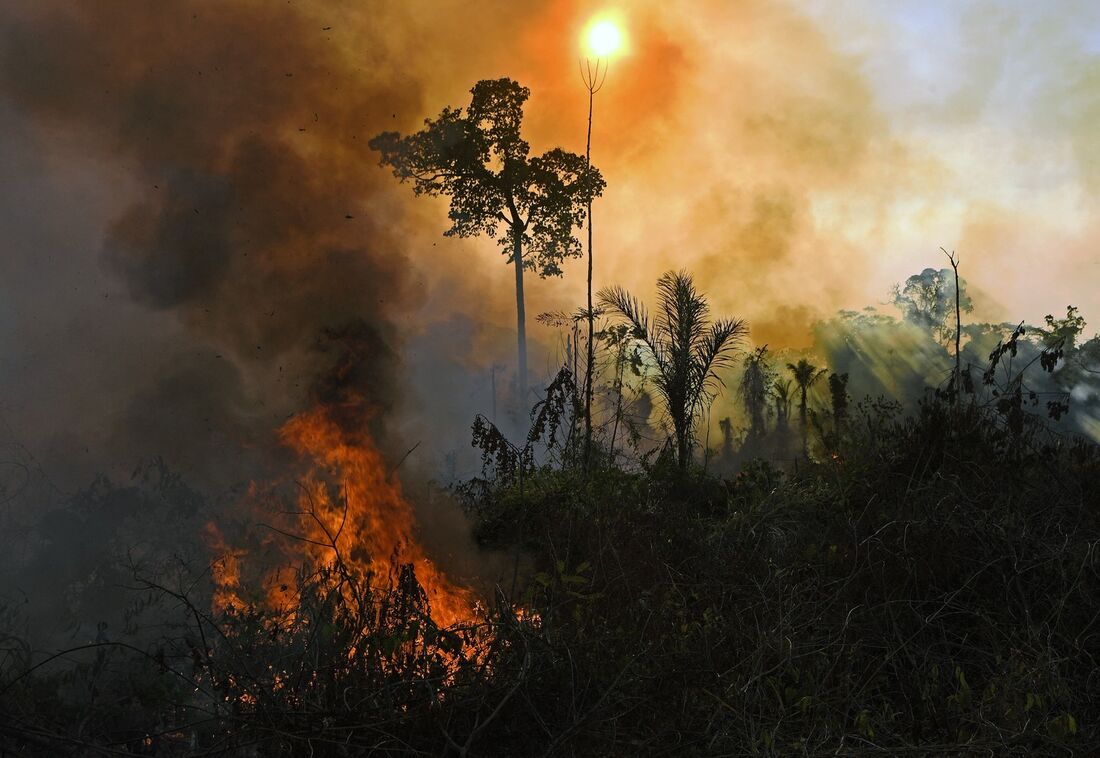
<point>929,586</point>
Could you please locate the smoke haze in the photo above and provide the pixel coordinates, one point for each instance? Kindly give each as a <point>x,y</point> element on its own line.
<point>197,233</point>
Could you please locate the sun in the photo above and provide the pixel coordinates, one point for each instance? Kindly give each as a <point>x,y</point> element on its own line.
<point>604,38</point>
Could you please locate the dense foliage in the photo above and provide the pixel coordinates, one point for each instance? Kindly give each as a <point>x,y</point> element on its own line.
<point>931,586</point>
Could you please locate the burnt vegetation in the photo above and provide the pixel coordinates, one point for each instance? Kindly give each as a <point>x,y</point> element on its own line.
<point>893,550</point>
<point>918,580</point>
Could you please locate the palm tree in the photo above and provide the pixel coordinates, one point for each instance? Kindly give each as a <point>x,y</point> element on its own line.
<point>684,347</point>
<point>805,376</point>
<point>781,395</point>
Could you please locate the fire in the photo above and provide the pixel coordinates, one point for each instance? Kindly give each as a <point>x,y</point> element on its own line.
<point>349,508</point>
<point>225,569</point>
<point>370,523</point>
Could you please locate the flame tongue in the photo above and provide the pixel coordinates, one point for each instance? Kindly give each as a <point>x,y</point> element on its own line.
<point>369,521</point>
<point>350,503</point>
<point>225,570</point>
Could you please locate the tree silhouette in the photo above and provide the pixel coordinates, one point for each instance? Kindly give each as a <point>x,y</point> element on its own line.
<point>684,346</point>
<point>805,376</point>
<point>756,385</point>
<point>781,396</point>
<point>1063,330</point>
<point>838,394</point>
<point>481,162</point>
<point>927,299</point>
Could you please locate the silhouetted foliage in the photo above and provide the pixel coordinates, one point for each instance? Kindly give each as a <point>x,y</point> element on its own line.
<point>1064,331</point>
<point>838,394</point>
<point>928,588</point>
<point>482,163</point>
<point>927,299</point>
<point>805,376</point>
<point>685,349</point>
<point>781,396</point>
<point>757,378</point>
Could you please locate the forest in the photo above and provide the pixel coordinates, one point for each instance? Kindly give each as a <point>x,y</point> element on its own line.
<point>908,571</point>
<point>668,527</point>
<point>920,581</point>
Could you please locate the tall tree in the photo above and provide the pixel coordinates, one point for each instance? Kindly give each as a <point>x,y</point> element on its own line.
<point>482,163</point>
<point>928,299</point>
<point>756,385</point>
<point>805,376</point>
<point>684,346</point>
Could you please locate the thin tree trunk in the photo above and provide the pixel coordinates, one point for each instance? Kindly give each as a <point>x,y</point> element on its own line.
<point>521,321</point>
<point>683,443</point>
<point>802,421</point>
<point>621,362</point>
<point>958,330</point>
<point>588,365</point>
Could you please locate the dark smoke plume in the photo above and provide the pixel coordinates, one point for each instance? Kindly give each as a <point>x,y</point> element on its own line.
<point>245,127</point>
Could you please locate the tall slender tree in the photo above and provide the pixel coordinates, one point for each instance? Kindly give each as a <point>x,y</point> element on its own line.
<point>593,82</point>
<point>684,346</point>
<point>927,299</point>
<point>482,163</point>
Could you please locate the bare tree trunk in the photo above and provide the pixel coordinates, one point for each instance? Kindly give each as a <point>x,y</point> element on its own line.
<point>681,426</point>
<point>621,364</point>
<point>521,321</point>
<point>958,329</point>
<point>802,421</point>
<point>591,353</point>
<point>683,448</point>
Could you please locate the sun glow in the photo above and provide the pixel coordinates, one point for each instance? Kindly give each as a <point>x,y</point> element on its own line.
<point>603,38</point>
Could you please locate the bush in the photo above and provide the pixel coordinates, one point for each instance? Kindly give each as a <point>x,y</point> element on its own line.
<point>929,587</point>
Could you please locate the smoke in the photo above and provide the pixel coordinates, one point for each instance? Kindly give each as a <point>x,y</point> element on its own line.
<point>241,128</point>
<point>203,246</point>
<point>200,235</point>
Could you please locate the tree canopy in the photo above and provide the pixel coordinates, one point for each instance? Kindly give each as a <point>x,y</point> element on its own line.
<point>927,299</point>
<point>479,159</point>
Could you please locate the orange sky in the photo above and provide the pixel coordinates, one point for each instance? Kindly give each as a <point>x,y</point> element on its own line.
<point>766,147</point>
<point>799,156</point>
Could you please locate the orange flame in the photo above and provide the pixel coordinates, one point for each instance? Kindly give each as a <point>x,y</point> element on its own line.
<point>349,502</point>
<point>372,525</point>
<point>225,569</point>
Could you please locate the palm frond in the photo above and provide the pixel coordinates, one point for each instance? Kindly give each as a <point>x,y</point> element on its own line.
<point>553,318</point>
<point>684,312</point>
<point>626,305</point>
<point>618,300</point>
<point>805,373</point>
<point>715,352</point>
<point>782,389</point>
<point>688,350</point>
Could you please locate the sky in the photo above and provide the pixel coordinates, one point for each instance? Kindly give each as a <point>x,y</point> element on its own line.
<point>1005,95</point>
<point>189,202</point>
